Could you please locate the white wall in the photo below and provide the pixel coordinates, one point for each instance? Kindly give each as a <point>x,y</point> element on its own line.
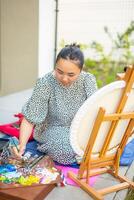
<point>18,45</point>
<point>87,18</point>
<point>46,36</point>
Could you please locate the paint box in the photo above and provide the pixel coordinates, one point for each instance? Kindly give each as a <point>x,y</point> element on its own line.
<point>33,192</point>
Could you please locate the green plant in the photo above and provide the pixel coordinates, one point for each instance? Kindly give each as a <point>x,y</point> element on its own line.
<point>106,65</point>
<point>130,195</point>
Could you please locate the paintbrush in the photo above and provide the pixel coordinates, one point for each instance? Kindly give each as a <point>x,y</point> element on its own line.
<point>13,142</point>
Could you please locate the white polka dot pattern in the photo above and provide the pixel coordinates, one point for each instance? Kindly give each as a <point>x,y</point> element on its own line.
<point>52,108</point>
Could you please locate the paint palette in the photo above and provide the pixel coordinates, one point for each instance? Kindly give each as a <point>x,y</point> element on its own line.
<point>36,190</point>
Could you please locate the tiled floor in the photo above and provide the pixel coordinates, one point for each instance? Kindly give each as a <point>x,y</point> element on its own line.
<point>12,104</point>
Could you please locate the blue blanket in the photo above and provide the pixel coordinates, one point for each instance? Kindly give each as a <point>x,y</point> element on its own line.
<point>128,154</point>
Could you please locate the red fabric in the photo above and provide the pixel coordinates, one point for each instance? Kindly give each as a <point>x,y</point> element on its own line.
<point>12,129</point>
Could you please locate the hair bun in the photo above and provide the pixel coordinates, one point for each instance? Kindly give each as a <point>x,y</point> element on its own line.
<point>73,45</point>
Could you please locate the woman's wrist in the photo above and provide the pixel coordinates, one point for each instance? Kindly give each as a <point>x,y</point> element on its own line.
<point>22,148</point>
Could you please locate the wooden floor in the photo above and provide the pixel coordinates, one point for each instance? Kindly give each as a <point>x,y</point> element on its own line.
<point>75,193</point>
<point>106,180</point>
<point>129,172</point>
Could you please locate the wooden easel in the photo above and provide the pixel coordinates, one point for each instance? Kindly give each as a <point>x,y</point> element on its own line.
<point>107,163</point>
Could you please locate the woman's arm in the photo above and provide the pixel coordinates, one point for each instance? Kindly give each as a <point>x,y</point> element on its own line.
<point>25,132</point>
<point>35,111</point>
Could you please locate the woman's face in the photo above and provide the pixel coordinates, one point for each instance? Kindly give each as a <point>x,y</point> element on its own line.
<point>66,72</point>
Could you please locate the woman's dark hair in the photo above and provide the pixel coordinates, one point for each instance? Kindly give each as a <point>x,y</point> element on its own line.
<point>73,53</point>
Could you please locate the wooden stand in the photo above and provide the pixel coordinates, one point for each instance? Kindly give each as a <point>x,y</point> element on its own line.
<point>107,163</point>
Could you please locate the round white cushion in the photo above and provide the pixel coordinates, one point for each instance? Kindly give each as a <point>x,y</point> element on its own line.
<point>107,97</point>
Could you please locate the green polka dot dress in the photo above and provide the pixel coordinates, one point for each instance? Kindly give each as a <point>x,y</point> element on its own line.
<point>51,109</point>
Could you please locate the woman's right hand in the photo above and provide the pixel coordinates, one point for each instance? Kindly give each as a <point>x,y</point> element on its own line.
<point>18,151</point>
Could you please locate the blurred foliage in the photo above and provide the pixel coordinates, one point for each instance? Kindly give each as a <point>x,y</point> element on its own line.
<point>105,73</point>
<point>105,65</point>
<point>130,195</point>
